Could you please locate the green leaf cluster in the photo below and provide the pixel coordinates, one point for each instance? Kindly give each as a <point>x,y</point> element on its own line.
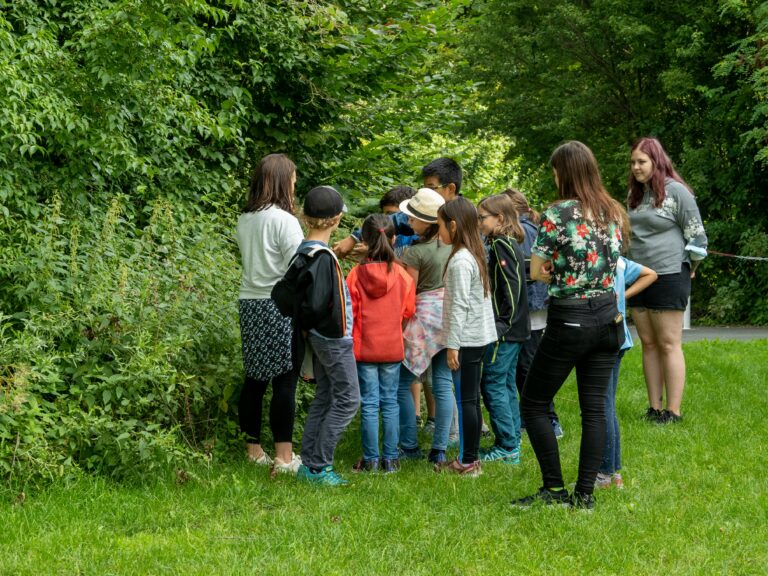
<point>119,344</point>
<point>609,71</point>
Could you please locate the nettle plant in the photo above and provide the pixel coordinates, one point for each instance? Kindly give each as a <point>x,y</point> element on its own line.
<point>120,344</point>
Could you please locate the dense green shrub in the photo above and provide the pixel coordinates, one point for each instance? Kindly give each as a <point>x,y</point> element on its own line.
<point>123,352</point>
<point>735,288</point>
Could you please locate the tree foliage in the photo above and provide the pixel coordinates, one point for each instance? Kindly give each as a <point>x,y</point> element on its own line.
<point>127,129</point>
<point>608,71</point>
<point>163,98</point>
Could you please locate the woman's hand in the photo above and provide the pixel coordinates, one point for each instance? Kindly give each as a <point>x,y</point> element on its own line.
<point>546,272</point>
<point>541,270</point>
<point>453,359</point>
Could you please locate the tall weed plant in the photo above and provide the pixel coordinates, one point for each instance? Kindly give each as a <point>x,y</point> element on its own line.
<point>119,341</point>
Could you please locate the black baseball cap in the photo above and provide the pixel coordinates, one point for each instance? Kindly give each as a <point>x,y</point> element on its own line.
<point>323,202</point>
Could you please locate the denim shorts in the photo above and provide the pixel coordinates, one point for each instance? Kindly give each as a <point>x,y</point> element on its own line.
<point>669,292</point>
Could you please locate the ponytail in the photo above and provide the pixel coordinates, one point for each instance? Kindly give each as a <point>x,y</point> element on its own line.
<point>378,232</point>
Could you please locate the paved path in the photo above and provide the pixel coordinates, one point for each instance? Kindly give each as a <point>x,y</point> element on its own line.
<point>719,333</point>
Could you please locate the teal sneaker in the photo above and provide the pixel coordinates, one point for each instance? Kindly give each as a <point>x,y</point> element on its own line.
<point>499,453</point>
<point>325,477</point>
<point>304,474</point>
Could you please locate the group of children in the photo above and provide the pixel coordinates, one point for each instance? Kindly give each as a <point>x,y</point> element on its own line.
<point>441,286</point>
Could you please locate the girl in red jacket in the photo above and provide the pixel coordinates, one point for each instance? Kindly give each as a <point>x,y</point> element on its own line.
<point>383,296</point>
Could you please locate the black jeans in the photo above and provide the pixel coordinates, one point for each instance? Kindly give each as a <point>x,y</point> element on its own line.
<point>281,409</point>
<point>585,335</point>
<point>468,399</point>
<point>524,361</point>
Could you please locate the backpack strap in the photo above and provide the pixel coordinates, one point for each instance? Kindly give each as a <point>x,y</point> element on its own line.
<point>320,248</point>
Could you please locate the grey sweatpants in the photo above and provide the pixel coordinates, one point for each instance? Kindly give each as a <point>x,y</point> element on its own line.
<point>337,398</point>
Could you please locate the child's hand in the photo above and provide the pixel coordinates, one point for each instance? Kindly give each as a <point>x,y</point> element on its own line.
<point>453,359</point>
<point>344,247</point>
<point>360,251</point>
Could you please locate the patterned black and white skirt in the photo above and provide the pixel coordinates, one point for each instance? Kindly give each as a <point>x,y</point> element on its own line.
<point>266,338</point>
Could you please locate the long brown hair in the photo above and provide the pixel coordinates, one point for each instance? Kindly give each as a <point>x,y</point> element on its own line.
<point>272,184</point>
<point>578,177</point>
<point>467,234</point>
<point>626,229</point>
<point>501,206</point>
<point>662,169</point>
<point>377,232</point>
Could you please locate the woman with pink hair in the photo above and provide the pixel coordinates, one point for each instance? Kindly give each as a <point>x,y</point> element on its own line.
<point>668,237</point>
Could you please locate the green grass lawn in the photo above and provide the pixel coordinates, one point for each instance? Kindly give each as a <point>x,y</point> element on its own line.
<point>695,502</point>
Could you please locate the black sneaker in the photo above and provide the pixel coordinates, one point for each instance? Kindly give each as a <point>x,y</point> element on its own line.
<point>390,465</point>
<point>410,454</point>
<point>544,496</point>
<point>364,465</point>
<point>582,501</point>
<point>667,417</point>
<point>652,415</point>
<point>436,456</point>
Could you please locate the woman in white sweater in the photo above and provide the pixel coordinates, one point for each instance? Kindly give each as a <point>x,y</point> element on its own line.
<point>268,234</point>
<point>468,322</point>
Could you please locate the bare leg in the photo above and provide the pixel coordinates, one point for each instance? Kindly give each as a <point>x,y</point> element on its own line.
<point>428,398</point>
<point>255,451</point>
<point>652,362</point>
<point>416,393</point>
<point>668,328</point>
<point>284,451</point>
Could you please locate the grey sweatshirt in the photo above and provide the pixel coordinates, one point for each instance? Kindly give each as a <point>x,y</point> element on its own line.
<point>665,237</point>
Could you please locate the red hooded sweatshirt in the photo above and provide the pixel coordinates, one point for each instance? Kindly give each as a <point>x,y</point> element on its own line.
<point>381,300</point>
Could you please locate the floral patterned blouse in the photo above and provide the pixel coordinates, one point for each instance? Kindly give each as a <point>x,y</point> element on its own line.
<point>583,255</point>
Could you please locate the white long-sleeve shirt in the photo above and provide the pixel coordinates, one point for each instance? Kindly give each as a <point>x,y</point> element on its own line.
<point>467,313</point>
<point>268,240</point>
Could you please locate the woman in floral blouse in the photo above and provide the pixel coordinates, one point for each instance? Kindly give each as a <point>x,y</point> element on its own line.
<point>576,252</point>
<point>668,237</point>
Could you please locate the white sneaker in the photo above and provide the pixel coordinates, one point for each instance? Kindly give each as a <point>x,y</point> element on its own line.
<point>280,467</point>
<point>263,460</point>
<point>603,480</point>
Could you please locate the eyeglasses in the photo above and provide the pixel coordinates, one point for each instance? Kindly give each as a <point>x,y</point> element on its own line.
<point>436,188</point>
<point>482,217</point>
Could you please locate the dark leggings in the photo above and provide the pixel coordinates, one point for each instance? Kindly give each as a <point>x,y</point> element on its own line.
<point>470,365</point>
<point>281,409</point>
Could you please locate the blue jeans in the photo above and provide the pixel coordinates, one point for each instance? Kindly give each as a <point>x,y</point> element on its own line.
<point>378,387</point>
<point>500,392</point>
<point>442,392</point>
<point>337,397</point>
<point>612,451</point>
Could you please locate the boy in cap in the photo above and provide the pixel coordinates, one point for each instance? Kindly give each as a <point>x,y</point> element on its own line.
<point>313,292</point>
